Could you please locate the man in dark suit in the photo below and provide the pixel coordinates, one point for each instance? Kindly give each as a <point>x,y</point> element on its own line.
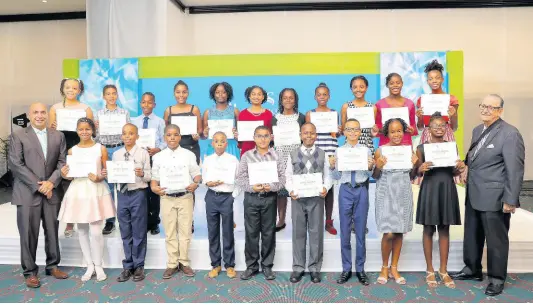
<point>495,163</point>
<point>36,156</point>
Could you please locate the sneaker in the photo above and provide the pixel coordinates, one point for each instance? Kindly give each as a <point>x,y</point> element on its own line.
<point>214,272</point>
<point>231,273</point>
<point>109,227</point>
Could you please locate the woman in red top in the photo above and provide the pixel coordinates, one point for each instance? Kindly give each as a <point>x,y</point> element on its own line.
<point>256,96</point>
<point>395,100</point>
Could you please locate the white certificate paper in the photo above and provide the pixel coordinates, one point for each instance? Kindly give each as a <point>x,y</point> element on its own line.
<point>226,126</point>
<point>80,166</point>
<point>365,116</point>
<point>263,172</point>
<point>187,124</point>
<point>111,124</point>
<point>308,185</point>
<point>325,121</point>
<point>67,119</point>
<point>352,158</point>
<point>224,172</point>
<point>286,134</point>
<point>246,129</point>
<point>146,138</point>
<point>441,154</point>
<point>120,171</point>
<point>174,178</point>
<point>394,113</point>
<point>398,157</point>
<point>432,103</point>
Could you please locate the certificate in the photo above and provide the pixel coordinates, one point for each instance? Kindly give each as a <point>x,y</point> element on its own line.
<point>395,113</point>
<point>174,178</point>
<point>435,103</point>
<point>146,138</point>
<point>246,129</point>
<point>286,134</point>
<point>188,124</point>
<point>352,158</point>
<point>224,172</point>
<point>111,124</point>
<point>398,157</point>
<point>226,126</point>
<point>365,116</point>
<point>325,121</point>
<point>120,171</point>
<point>80,166</point>
<point>441,154</point>
<point>308,185</point>
<point>67,119</point>
<point>263,172</point>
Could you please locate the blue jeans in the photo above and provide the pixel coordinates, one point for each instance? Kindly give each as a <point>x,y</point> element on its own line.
<point>110,152</point>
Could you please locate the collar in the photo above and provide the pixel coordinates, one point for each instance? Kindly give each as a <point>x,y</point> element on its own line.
<point>109,110</point>
<point>303,148</point>
<point>255,151</point>
<point>346,144</point>
<point>132,150</point>
<point>37,131</point>
<point>150,116</point>
<point>175,150</point>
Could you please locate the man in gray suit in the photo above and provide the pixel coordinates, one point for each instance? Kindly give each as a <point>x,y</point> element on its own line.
<point>495,163</point>
<point>36,156</point>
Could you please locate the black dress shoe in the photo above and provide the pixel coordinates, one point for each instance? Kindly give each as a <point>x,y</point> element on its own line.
<point>363,279</point>
<point>461,276</point>
<point>315,277</point>
<point>248,274</point>
<point>124,276</point>
<point>108,228</point>
<point>296,276</point>
<point>155,231</point>
<point>281,227</point>
<point>269,274</point>
<point>345,276</point>
<point>494,289</point>
<point>138,275</point>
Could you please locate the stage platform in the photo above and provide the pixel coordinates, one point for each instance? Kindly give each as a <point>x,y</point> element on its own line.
<point>412,258</point>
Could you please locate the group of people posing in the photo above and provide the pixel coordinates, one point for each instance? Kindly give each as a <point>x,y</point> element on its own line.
<point>167,175</point>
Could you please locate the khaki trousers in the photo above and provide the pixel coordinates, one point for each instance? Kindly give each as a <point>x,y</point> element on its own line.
<point>177,215</point>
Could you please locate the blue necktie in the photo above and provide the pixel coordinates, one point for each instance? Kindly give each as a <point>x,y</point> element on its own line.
<point>145,122</point>
<point>353,178</point>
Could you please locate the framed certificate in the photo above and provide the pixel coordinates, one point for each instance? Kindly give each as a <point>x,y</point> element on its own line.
<point>441,154</point>
<point>225,126</point>
<point>352,158</point>
<point>80,166</point>
<point>365,116</point>
<point>432,103</point>
<point>286,134</point>
<point>263,172</point>
<point>120,171</point>
<point>187,124</point>
<point>111,124</point>
<point>325,121</point>
<point>67,119</point>
<point>246,129</point>
<point>398,157</point>
<point>395,113</point>
<point>146,138</point>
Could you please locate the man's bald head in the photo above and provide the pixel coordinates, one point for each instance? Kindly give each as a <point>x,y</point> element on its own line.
<point>38,115</point>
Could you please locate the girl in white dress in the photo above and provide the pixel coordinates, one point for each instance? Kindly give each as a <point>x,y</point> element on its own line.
<point>88,200</point>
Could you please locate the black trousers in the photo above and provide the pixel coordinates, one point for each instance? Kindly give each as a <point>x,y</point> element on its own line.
<point>154,207</point>
<point>494,227</point>
<point>220,206</point>
<point>259,222</point>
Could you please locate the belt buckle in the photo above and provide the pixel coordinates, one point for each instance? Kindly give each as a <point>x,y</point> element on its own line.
<point>261,195</point>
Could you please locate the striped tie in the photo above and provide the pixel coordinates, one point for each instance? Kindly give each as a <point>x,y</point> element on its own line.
<point>124,186</point>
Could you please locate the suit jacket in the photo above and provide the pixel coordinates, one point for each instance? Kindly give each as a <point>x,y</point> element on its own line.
<point>496,172</point>
<point>28,165</point>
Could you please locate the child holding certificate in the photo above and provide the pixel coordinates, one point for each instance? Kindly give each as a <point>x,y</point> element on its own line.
<point>353,201</point>
<point>438,203</point>
<point>308,182</point>
<point>175,177</point>
<point>132,205</point>
<point>112,140</point>
<point>219,170</point>
<point>88,200</point>
<point>256,97</point>
<point>394,196</point>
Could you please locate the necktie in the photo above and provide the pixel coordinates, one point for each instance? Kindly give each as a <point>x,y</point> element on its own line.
<point>145,122</point>
<point>353,178</point>
<point>308,151</point>
<point>124,186</point>
<point>308,163</point>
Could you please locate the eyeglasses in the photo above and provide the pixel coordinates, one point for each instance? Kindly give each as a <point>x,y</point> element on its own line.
<point>438,126</point>
<point>488,107</point>
<point>265,136</point>
<point>352,129</point>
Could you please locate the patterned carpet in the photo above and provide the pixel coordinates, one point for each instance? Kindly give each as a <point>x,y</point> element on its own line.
<point>519,288</point>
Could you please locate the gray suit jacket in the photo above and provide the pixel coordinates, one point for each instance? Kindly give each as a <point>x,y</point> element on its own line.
<point>27,162</point>
<point>496,172</point>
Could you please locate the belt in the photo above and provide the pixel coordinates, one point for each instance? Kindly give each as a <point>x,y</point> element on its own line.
<point>175,195</point>
<point>263,195</point>
<point>357,185</point>
<point>220,193</point>
<point>128,192</point>
<point>113,145</point>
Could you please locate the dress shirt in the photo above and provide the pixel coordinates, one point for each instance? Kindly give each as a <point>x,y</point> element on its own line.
<point>227,159</point>
<point>140,157</point>
<point>43,139</point>
<point>252,156</point>
<point>346,176</point>
<point>154,122</point>
<point>180,157</point>
<point>113,139</point>
<point>326,175</point>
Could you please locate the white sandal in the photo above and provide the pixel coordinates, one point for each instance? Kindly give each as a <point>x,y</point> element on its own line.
<point>401,280</point>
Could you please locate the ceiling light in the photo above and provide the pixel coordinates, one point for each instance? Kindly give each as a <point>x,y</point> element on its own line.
<point>44,1</point>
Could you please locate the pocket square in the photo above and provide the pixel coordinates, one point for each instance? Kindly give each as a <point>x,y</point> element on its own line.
<point>490,146</point>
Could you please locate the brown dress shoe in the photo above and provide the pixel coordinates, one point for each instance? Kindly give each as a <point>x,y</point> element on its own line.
<point>187,270</point>
<point>32,281</point>
<point>170,272</point>
<point>58,274</point>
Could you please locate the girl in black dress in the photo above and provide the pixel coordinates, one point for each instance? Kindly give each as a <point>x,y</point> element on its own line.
<point>438,203</point>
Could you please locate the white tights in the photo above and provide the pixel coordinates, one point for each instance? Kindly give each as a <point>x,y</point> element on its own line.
<point>92,249</point>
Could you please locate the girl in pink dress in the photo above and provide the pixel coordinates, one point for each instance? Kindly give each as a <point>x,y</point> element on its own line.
<point>88,200</point>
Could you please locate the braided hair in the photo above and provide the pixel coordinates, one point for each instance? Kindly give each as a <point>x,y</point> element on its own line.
<point>280,103</point>
<point>227,88</point>
<point>389,122</point>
